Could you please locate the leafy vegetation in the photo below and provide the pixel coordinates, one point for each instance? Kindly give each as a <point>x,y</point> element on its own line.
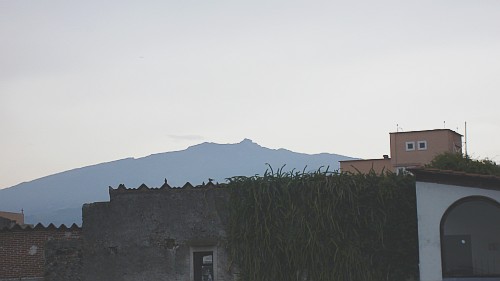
<point>323,226</point>
<point>460,162</point>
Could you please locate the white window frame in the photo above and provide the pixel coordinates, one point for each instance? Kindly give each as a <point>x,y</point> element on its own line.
<point>195,249</point>
<point>420,142</point>
<point>413,145</point>
<point>401,171</point>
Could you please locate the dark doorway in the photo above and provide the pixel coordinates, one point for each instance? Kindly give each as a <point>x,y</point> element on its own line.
<point>203,266</point>
<point>470,239</point>
<point>457,258</point>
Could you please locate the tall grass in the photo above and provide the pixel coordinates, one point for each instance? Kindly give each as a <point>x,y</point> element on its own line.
<point>323,226</point>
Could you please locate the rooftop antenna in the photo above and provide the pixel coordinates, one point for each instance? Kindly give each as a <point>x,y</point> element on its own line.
<point>398,128</point>
<point>466,154</point>
<point>444,124</point>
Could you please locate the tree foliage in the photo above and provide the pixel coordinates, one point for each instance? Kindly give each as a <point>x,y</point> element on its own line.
<point>460,162</point>
<point>323,226</point>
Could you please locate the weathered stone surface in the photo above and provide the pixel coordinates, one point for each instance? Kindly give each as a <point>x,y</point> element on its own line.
<point>150,234</point>
<point>63,260</point>
<point>23,248</point>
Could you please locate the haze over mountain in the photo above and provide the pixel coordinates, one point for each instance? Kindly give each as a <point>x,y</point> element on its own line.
<point>58,198</point>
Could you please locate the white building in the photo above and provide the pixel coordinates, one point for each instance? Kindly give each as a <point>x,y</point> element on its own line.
<point>458,225</point>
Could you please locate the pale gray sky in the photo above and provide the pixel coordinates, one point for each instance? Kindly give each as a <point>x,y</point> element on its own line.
<point>85,82</point>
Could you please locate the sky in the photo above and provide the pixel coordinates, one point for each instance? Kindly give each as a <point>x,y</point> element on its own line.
<point>86,82</point>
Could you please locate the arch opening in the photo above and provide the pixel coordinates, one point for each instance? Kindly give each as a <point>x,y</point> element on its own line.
<point>470,238</point>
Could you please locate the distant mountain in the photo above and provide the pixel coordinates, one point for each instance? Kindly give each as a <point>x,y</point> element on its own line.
<point>58,198</point>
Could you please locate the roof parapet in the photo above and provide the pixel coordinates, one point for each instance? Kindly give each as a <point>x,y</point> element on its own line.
<point>459,178</point>
<point>40,226</point>
<point>165,187</point>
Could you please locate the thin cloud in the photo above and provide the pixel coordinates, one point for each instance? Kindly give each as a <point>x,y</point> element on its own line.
<point>185,137</point>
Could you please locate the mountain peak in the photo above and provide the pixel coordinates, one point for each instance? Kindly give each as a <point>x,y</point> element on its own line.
<point>247,141</point>
<point>59,198</point>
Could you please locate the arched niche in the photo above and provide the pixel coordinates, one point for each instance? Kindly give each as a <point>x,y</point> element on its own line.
<point>470,238</point>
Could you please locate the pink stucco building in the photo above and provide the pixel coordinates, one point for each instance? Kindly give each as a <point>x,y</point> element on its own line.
<point>408,150</point>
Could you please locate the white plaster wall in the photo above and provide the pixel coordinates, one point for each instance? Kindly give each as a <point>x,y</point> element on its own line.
<point>432,202</point>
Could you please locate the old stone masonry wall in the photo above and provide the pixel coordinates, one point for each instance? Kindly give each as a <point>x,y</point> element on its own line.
<point>174,234</point>
<point>23,251</point>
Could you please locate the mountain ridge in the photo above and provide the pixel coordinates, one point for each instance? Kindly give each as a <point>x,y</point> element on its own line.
<point>58,198</point>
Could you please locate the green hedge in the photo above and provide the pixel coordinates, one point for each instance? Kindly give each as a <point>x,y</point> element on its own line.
<point>323,226</point>
<point>463,163</point>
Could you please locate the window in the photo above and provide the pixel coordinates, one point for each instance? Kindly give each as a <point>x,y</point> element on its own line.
<point>422,145</point>
<point>410,145</point>
<point>203,264</point>
<point>401,171</point>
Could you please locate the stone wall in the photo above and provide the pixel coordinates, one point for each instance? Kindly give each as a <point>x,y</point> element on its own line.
<point>63,260</point>
<point>151,234</point>
<point>22,249</point>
